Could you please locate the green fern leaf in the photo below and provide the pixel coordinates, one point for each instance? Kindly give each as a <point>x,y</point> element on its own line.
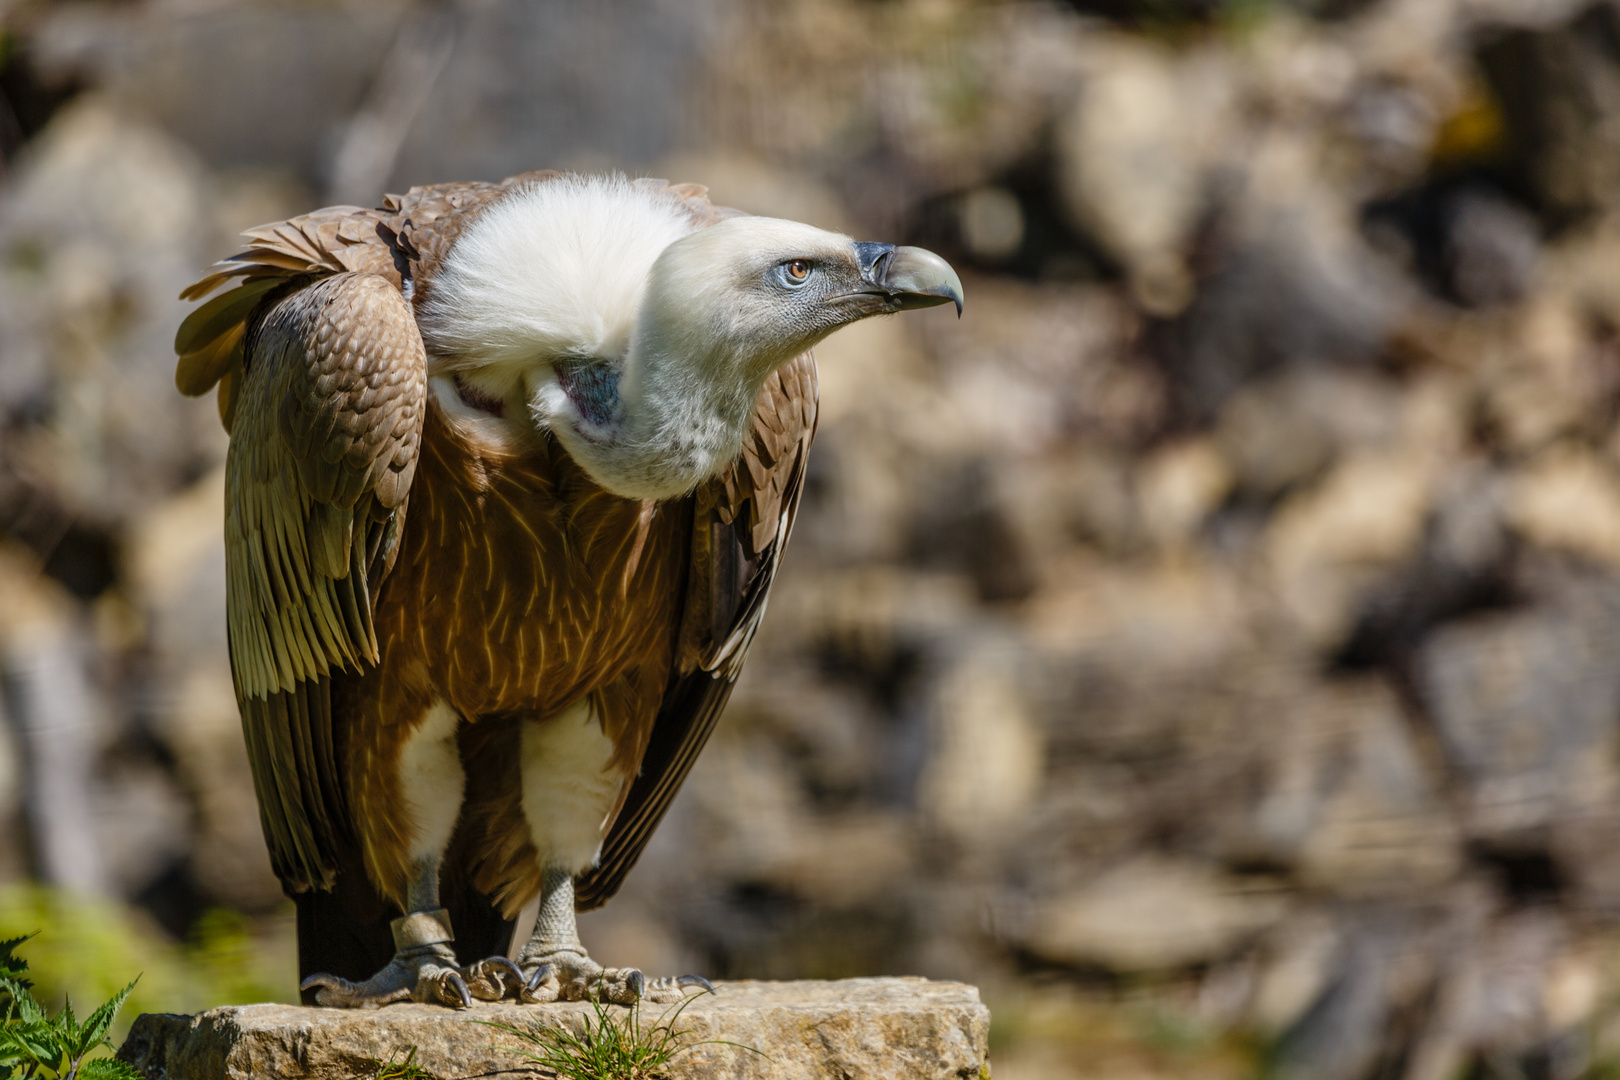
<point>107,1068</point>
<point>66,1027</point>
<point>34,1042</point>
<point>100,1022</point>
<point>12,965</point>
<point>22,1001</point>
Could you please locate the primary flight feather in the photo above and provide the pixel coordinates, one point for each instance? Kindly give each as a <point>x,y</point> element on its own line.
<point>510,473</point>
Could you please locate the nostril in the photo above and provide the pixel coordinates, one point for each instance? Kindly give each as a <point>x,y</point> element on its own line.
<point>874,259</point>
<point>880,269</point>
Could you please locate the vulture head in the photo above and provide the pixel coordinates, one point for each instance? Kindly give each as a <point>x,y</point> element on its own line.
<point>599,311</point>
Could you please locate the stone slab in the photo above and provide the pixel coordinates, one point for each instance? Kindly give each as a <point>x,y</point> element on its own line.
<point>852,1029</point>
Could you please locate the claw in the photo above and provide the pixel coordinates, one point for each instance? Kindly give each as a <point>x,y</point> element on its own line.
<point>695,980</point>
<point>337,992</point>
<point>506,965</point>
<point>459,984</point>
<point>321,979</point>
<point>444,987</point>
<point>454,979</point>
<point>332,990</point>
<point>540,988</point>
<point>636,983</point>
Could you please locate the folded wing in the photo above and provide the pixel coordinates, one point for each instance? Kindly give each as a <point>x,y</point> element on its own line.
<point>323,385</point>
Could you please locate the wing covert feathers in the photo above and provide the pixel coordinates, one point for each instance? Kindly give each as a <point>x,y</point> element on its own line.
<point>740,526</point>
<point>211,342</point>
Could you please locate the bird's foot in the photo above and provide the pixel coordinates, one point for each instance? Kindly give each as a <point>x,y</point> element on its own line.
<point>568,974</point>
<point>423,970</point>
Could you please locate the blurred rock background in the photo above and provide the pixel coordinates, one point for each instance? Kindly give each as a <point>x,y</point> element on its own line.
<point>1210,645</point>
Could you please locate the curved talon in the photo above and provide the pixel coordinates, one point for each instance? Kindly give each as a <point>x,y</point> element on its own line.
<point>636,983</point>
<point>510,968</point>
<point>323,980</point>
<point>460,985</point>
<point>684,981</point>
<point>336,992</point>
<point>540,988</point>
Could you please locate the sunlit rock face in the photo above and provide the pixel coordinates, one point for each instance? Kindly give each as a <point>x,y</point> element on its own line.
<point>864,1029</point>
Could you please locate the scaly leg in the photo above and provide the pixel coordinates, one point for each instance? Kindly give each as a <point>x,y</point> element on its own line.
<point>556,965</point>
<point>424,967</point>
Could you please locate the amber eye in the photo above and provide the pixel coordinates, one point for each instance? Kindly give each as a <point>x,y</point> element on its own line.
<point>797,272</point>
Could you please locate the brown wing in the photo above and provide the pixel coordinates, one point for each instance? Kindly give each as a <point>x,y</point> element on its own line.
<point>740,526</point>
<point>322,382</point>
<point>323,450</point>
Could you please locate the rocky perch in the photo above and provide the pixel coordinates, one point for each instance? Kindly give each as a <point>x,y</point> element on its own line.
<point>855,1029</point>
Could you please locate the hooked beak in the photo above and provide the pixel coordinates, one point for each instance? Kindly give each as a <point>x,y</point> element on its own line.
<point>909,277</point>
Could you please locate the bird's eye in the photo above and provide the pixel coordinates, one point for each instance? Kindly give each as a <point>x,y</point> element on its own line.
<point>796,272</point>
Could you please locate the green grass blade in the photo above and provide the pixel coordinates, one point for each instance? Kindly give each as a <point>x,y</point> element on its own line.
<point>738,1045</point>
<point>606,1046</point>
<point>397,1068</point>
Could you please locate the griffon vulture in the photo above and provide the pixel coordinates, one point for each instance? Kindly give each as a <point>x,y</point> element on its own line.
<point>511,468</point>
